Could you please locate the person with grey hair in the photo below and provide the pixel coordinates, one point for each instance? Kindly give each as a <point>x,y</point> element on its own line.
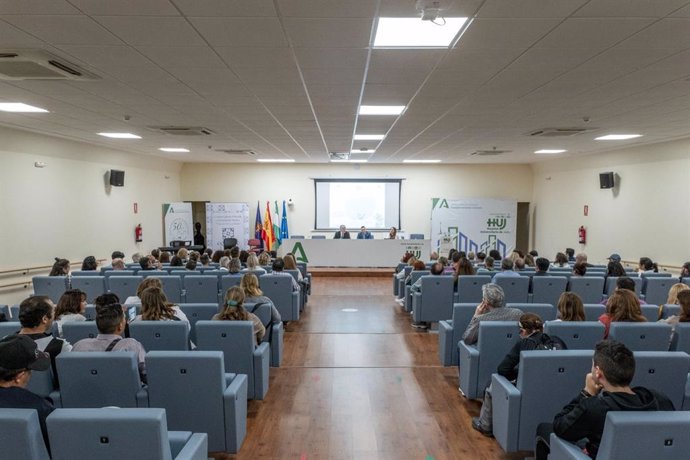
<point>224,263</point>
<point>492,308</point>
<point>136,257</point>
<point>234,266</point>
<point>506,270</point>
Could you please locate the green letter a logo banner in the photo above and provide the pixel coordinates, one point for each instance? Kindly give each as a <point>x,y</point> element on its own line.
<point>439,203</point>
<point>298,252</point>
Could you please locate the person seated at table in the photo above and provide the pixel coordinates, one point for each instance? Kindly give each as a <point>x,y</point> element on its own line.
<point>342,234</point>
<point>392,234</point>
<point>364,234</point>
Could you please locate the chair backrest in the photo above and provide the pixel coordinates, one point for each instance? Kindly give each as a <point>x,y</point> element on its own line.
<point>160,335</point>
<point>201,289</point>
<point>20,435</point>
<point>74,331</point>
<point>9,328</point>
<point>51,286</point>
<point>593,311</point>
<point>155,273</point>
<point>124,286</point>
<point>661,435</point>
<point>90,313</point>
<point>650,312</point>
<point>172,286</point>
<point>589,288</point>
<point>296,237</point>
<point>416,236</point>
<point>93,286</point>
<point>197,374</point>
<point>546,311</point>
<point>97,379</point>
<point>496,338</point>
<point>656,292</point>
<point>547,289</point>
<point>198,312</point>
<point>577,335</point>
<point>642,336</point>
<point>470,288</point>
<point>228,281</point>
<point>318,237</point>
<point>109,433</point>
<point>278,288</point>
<point>229,243</point>
<point>128,272</point>
<point>437,298</point>
<point>611,285</point>
<point>663,371</point>
<point>516,289</point>
<point>5,309</point>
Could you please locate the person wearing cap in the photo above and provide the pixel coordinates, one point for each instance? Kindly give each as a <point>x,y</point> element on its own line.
<point>19,355</point>
<point>614,258</point>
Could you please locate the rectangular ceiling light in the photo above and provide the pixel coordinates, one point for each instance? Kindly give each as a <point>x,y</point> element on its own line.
<point>617,137</point>
<point>381,109</point>
<point>20,107</point>
<point>421,161</point>
<point>173,149</point>
<point>549,151</point>
<point>415,33</point>
<point>275,160</point>
<point>369,137</point>
<point>120,135</point>
<point>362,151</point>
<point>348,161</point>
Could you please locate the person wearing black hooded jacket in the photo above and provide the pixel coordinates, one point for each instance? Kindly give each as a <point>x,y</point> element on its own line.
<point>607,388</point>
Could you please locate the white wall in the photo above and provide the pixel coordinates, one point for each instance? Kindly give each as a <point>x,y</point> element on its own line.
<point>647,214</point>
<point>249,183</point>
<point>65,209</point>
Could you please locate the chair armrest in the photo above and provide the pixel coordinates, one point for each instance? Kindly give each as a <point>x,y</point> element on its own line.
<point>196,448</point>
<point>468,360</point>
<point>177,441</point>
<point>262,363</point>
<point>296,306</point>
<point>143,397</point>
<point>445,343</point>
<point>686,400</point>
<point>564,450</point>
<point>506,412</point>
<point>416,305</point>
<point>235,406</point>
<point>56,397</point>
<point>229,377</point>
<point>276,344</point>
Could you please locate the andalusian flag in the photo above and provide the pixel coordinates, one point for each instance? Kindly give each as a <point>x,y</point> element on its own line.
<point>269,236</point>
<point>276,226</point>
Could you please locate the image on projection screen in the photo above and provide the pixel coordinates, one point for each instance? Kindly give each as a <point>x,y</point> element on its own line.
<point>374,203</point>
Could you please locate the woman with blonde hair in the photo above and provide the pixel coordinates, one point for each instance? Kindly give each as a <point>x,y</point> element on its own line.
<point>265,259</point>
<point>145,284</point>
<point>253,265</point>
<point>674,291</point>
<point>622,306</point>
<point>570,307</point>
<point>291,264</point>
<point>253,294</point>
<point>233,310</point>
<point>155,307</point>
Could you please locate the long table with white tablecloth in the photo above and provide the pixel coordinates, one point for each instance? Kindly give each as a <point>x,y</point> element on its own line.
<point>353,253</point>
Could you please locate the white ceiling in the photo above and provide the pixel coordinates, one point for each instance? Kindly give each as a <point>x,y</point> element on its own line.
<point>284,78</point>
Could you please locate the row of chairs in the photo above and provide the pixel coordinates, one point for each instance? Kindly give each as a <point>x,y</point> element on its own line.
<point>102,433</point>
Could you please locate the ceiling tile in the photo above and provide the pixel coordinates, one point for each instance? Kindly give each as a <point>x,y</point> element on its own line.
<point>328,33</point>
<point>126,7</point>
<point>226,8</point>
<point>257,32</point>
<point>64,30</point>
<point>152,30</point>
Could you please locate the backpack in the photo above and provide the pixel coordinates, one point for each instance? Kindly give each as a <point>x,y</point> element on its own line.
<point>550,343</point>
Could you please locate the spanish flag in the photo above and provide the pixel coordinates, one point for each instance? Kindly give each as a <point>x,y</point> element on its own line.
<point>268,235</point>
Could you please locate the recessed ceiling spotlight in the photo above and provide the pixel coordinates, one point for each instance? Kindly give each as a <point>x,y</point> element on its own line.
<point>173,149</point>
<point>421,161</point>
<point>414,33</point>
<point>20,107</point>
<point>549,151</point>
<point>120,135</point>
<point>617,137</point>
<point>369,137</point>
<point>381,109</point>
<point>275,160</point>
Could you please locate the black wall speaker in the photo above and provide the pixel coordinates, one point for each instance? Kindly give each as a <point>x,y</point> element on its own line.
<point>606,180</point>
<point>117,178</point>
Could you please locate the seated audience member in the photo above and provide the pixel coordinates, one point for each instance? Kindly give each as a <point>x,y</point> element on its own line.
<point>514,255</point>
<point>233,310</point>
<point>492,308</point>
<point>117,255</point>
<point>342,234</point>
<point>156,253</point>
<point>519,264</point>
<point>19,356</point>
<point>561,261</point>
<point>164,257</point>
<point>106,299</point>
<point>136,257</point>
<point>183,254</point>
<point>495,254</point>
<point>570,307</point>
<point>175,261</point>
<point>433,257</point>
<point>234,266</point>
<point>607,388</point>
<point>451,253</point>
<point>155,307</point>
<point>534,253</point>
<point>209,252</point>
<point>646,266</point>
<point>614,268</point>
<point>190,265</point>
<point>582,258</point>
<point>579,269</point>
<point>685,270</point>
<point>506,271</point>
<point>623,306</point>
<point>392,234</point>
<point>541,266</point>
<point>253,265</point>
<point>529,260</point>
<point>277,267</point>
<point>111,322</point>
<point>224,263</point>
<point>481,257</point>
<point>36,318</point>
<point>118,264</point>
<point>487,267</point>
<point>625,282</point>
<point>471,256</point>
<point>264,259</point>
<point>147,263</point>
<point>674,291</point>
<point>60,267</point>
<point>195,256</point>
<point>70,307</point>
<point>532,337</point>
<point>364,234</point>
<point>226,252</point>
<point>243,257</point>
<point>614,258</point>
<point>235,252</point>
<point>253,294</point>
<point>291,264</point>
<point>205,260</point>
<point>216,256</point>
<point>146,283</point>
<point>89,264</point>
<point>684,317</point>
<point>570,254</point>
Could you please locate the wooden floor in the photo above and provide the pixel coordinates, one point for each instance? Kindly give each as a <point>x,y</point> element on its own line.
<point>358,382</point>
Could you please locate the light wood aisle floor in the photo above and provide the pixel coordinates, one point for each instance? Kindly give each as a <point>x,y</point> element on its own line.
<point>361,384</point>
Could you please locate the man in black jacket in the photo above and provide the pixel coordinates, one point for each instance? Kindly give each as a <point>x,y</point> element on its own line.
<point>607,387</point>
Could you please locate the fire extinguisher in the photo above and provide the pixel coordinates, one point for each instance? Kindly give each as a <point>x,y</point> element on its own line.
<point>138,234</point>
<point>582,235</point>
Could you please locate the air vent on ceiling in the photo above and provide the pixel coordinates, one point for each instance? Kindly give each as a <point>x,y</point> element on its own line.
<point>236,151</point>
<point>486,153</point>
<point>557,132</point>
<point>39,65</point>
<point>183,130</point>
